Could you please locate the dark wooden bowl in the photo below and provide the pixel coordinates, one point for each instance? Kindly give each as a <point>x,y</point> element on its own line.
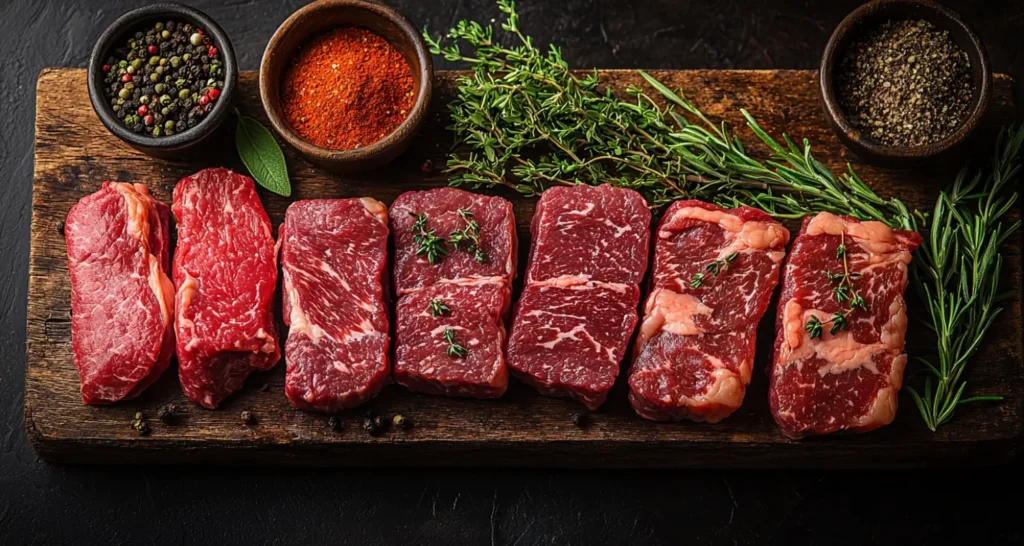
<point>178,145</point>
<point>324,15</point>
<point>871,15</point>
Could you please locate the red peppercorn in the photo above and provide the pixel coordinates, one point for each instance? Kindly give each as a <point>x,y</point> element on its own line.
<point>143,110</point>
<point>204,100</point>
<point>212,51</point>
<point>106,68</point>
<point>153,49</point>
<point>126,78</point>
<point>214,94</point>
<point>148,120</point>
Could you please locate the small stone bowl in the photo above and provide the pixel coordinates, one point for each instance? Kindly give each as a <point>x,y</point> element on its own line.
<point>869,16</point>
<point>325,15</point>
<point>178,145</point>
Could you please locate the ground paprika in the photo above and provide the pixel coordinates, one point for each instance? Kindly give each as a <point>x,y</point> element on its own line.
<point>347,88</point>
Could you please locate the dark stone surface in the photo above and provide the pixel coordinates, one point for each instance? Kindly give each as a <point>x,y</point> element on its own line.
<point>40,503</point>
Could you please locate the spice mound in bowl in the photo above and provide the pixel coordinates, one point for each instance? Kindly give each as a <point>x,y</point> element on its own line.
<point>164,78</point>
<point>905,83</point>
<point>345,89</point>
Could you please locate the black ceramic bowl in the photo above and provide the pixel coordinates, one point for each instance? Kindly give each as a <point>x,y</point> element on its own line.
<point>178,144</point>
<point>869,16</point>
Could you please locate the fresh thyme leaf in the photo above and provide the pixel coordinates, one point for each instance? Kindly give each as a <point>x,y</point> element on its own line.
<point>262,155</point>
<point>715,268</point>
<point>840,251</point>
<point>813,327</point>
<point>697,280</point>
<point>454,349</point>
<point>844,292</point>
<point>469,235</point>
<point>427,244</point>
<point>438,308</point>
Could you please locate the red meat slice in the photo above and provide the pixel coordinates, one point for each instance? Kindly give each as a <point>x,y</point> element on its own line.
<point>573,322</point>
<point>696,346</point>
<point>121,298</point>
<point>477,311</point>
<point>334,259</point>
<point>225,273</point>
<point>848,380</point>
<point>568,340</point>
<point>476,292</point>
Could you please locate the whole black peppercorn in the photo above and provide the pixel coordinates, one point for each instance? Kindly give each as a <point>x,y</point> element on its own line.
<point>167,414</point>
<point>581,420</point>
<point>373,425</point>
<point>248,418</point>
<point>334,423</point>
<point>60,228</point>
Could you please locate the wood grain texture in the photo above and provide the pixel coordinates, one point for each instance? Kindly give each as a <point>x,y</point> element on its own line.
<point>74,154</point>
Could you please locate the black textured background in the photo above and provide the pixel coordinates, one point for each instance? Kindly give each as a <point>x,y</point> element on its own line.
<point>40,503</point>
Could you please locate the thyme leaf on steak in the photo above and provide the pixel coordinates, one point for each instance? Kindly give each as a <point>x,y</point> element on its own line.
<point>714,268</point>
<point>427,244</point>
<point>468,236</point>
<point>844,292</point>
<point>454,349</point>
<point>438,308</point>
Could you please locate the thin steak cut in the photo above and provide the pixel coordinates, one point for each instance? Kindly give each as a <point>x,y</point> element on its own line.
<point>451,314</point>
<point>225,273</point>
<point>573,322</point>
<point>695,351</point>
<point>849,379</point>
<point>334,260</point>
<point>121,298</point>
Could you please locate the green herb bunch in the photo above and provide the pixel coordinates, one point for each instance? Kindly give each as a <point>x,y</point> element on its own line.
<point>957,270</point>
<point>531,123</point>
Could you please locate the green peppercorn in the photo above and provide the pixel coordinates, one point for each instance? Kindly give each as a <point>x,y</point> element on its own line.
<point>130,69</point>
<point>154,77</point>
<point>186,57</point>
<point>159,27</point>
<point>165,99</point>
<point>165,34</point>
<point>154,60</point>
<point>183,94</point>
<point>160,88</point>
<point>129,86</point>
<point>143,99</point>
<point>196,39</point>
<point>165,111</point>
<point>163,61</point>
<point>137,64</point>
<point>180,83</point>
<point>123,93</point>
<point>156,131</point>
<point>175,61</point>
<point>169,125</point>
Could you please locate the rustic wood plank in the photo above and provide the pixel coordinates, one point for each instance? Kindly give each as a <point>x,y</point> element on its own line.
<point>75,154</point>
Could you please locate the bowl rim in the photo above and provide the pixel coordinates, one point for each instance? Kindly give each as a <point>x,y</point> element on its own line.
<point>124,24</point>
<point>398,134</point>
<point>830,60</point>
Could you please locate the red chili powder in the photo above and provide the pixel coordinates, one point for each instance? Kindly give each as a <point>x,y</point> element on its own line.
<point>347,88</point>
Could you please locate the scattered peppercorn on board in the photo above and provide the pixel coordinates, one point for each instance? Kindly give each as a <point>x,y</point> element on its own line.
<point>74,154</point>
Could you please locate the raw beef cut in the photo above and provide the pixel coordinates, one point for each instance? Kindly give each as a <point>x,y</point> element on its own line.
<point>714,273</point>
<point>121,298</point>
<point>225,273</point>
<point>842,378</point>
<point>572,325</point>
<point>334,260</point>
<point>451,315</point>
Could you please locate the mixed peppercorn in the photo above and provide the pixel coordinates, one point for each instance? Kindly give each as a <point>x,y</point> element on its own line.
<point>165,79</point>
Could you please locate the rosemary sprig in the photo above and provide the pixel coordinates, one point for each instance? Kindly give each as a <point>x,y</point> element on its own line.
<point>957,270</point>
<point>427,244</point>
<point>454,349</point>
<point>714,268</point>
<point>438,308</point>
<point>844,292</point>
<point>469,235</point>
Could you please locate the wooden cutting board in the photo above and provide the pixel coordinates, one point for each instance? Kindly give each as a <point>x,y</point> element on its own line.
<point>74,154</point>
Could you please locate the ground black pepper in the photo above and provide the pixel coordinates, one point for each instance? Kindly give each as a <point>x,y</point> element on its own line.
<point>165,79</point>
<point>906,83</point>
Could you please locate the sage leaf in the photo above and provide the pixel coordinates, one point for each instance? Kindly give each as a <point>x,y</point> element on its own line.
<point>262,156</point>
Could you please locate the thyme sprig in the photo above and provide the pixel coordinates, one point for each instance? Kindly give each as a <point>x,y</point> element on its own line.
<point>427,244</point>
<point>844,292</point>
<point>714,268</point>
<point>469,236</point>
<point>454,349</point>
<point>438,308</point>
<point>957,270</point>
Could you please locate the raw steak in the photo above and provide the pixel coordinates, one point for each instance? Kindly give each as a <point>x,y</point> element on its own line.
<point>225,272</point>
<point>696,345</point>
<point>441,206</point>
<point>848,380</point>
<point>573,322</point>
<point>475,294</point>
<point>121,298</point>
<point>334,259</point>
<point>478,308</point>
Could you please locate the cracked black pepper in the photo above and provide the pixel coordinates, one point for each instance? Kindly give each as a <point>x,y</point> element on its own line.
<point>905,83</point>
<point>165,79</point>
